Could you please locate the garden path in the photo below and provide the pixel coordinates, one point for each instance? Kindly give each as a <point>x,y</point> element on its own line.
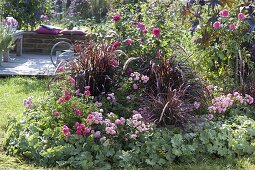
<point>27,64</point>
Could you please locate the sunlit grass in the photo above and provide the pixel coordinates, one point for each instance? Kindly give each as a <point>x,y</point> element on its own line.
<point>13,91</point>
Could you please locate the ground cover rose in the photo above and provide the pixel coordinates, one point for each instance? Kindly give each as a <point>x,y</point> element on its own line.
<point>116,18</point>
<point>156,32</point>
<point>216,25</point>
<point>128,41</point>
<point>241,16</point>
<point>224,13</point>
<point>232,27</point>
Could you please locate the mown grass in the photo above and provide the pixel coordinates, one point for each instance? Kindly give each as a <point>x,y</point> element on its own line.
<point>14,90</point>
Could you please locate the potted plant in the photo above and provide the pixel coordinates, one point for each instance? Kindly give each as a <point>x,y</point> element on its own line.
<point>7,28</point>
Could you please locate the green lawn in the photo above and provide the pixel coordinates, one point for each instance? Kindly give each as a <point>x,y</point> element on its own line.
<point>14,90</point>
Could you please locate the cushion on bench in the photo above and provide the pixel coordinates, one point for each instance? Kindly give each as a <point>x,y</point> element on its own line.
<point>48,29</point>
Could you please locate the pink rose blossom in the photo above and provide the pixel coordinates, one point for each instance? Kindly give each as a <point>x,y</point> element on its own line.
<point>145,79</point>
<point>81,129</point>
<point>137,77</point>
<point>156,32</point>
<point>66,132</point>
<point>61,100</point>
<point>67,93</point>
<point>71,80</point>
<point>117,121</point>
<point>241,16</point>
<point>67,97</point>
<point>94,118</point>
<point>97,134</point>
<point>249,99</point>
<point>116,18</point>
<point>128,41</point>
<point>110,130</point>
<point>135,86</point>
<point>120,121</point>
<point>141,26</point>
<point>216,25</point>
<point>56,114</point>
<point>236,94</point>
<point>224,13</point>
<point>87,93</point>
<point>232,27</point>
<point>210,117</point>
<point>144,31</point>
<point>77,112</point>
<point>65,129</point>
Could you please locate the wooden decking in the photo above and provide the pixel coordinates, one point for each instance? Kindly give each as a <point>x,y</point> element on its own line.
<point>27,64</point>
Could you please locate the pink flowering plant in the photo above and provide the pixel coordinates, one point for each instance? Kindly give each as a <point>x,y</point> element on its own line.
<point>144,34</point>
<point>69,118</point>
<point>27,14</point>
<point>223,31</point>
<point>221,104</point>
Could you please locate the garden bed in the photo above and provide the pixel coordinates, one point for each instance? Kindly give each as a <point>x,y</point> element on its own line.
<point>150,92</point>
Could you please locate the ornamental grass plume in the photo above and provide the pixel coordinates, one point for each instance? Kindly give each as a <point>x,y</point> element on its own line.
<point>95,66</point>
<point>171,91</point>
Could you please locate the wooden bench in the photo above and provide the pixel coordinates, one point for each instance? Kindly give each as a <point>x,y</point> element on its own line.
<point>42,43</point>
